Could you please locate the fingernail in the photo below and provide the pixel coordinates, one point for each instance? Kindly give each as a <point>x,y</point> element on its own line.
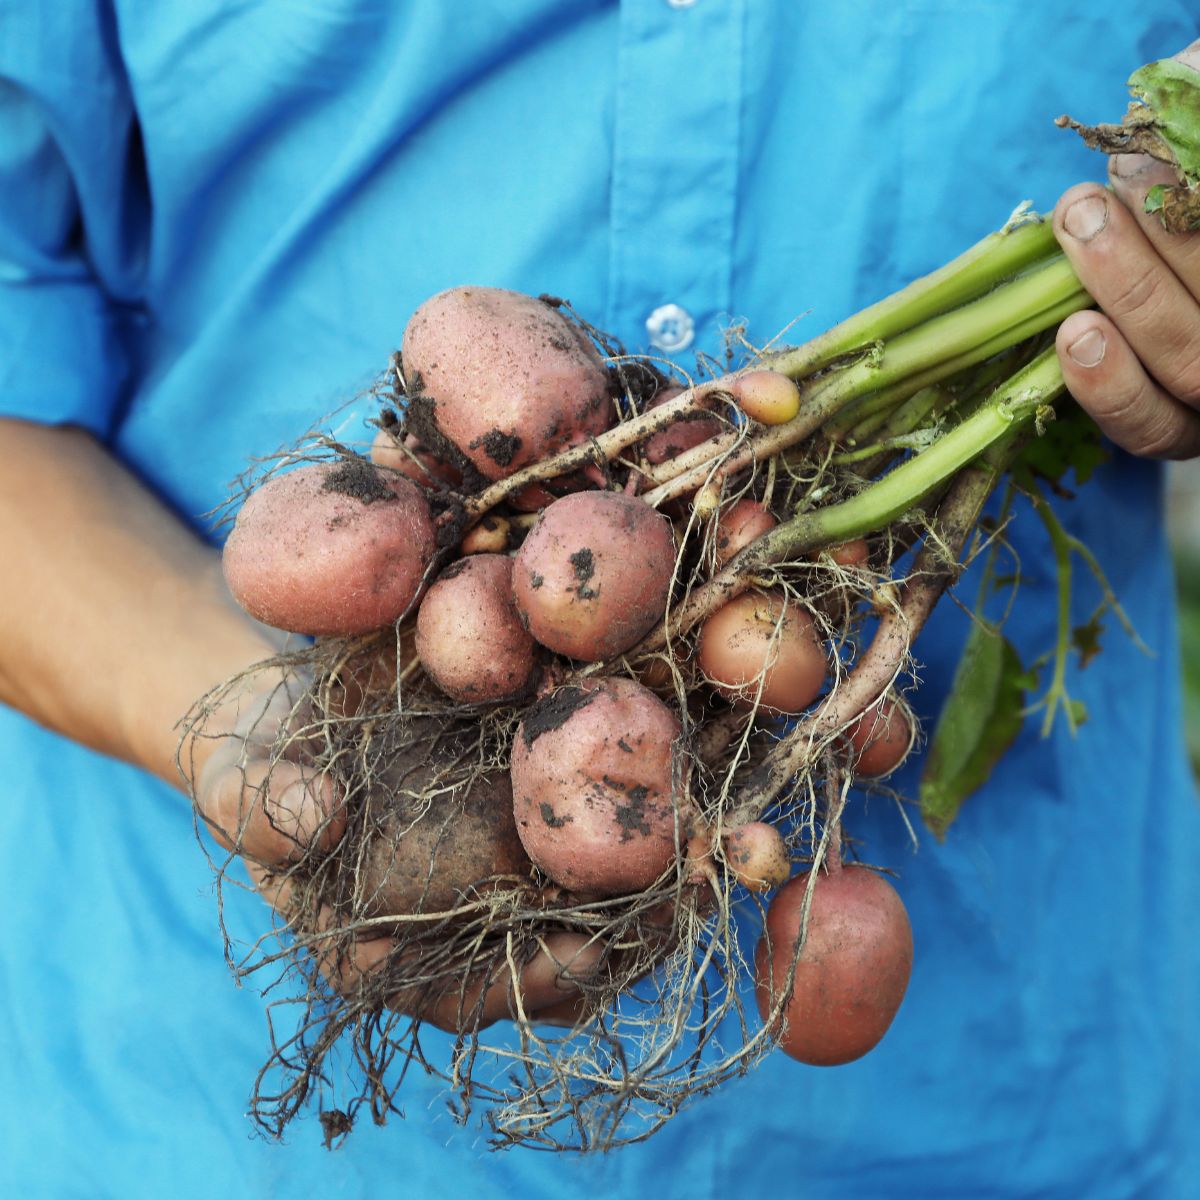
<point>1086,217</point>
<point>1129,165</point>
<point>1088,349</point>
<point>1191,56</point>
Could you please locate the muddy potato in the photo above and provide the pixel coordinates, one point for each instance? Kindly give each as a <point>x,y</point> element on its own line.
<point>469,637</point>
<point>680,436</point>
<point>757,856</point>
<point>433,842</point>
<point>594,574</point>
<point>506,377</point>
<point>592,768</point>
<point>331,548</point>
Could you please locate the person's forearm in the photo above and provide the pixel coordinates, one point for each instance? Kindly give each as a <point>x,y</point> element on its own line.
<point>114,617</point>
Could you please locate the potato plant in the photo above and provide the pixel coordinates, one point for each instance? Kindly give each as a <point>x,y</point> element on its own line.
<point>564,600</point>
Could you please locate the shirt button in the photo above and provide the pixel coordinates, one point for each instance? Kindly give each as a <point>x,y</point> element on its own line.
<point>671,327</point>
<point>681,3</point>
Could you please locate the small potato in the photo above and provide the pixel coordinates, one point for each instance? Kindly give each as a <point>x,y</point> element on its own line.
<point>766,396</point>
<point>739,524</point>
<point>854,553</point>
<point>490,536</point>
<point>507,378</point>
<point>592,770</point>
<point>594,574</point>
<point>469,637</point>
<point>411,459</point>
<point>331,548</point>
<point>757,637</point>
<point>880,739</point>
<point>757,856</point>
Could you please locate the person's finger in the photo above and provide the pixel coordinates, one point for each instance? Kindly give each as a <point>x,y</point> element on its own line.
<point>564,961</point>
<point>1114,258</point>
<point>267,811</point>
<point>1131,177</point>
<point>1106,377</point>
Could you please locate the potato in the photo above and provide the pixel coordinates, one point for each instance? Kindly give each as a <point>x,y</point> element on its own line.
<point>469,637</point>
<point>757,856</point>
<point>508,379</point>
<point>756,636</point>
<point>330,548</point>
<point>592,771</point>
<point>681,435</point>
<point>410,458</point>
<point>766,396</point>
<point>852,972</point>
<point>436,843</point>
<point>880,739</point>
<point>739,524</point>
<point>594,574</point>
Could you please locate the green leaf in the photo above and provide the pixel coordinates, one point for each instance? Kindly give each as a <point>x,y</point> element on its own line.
<point>980,719</point>
<point>1086,639</point>
<point>1071,442</point>
<point>1172,91</point>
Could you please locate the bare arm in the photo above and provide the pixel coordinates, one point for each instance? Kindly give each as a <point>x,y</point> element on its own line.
<point>115,615</point>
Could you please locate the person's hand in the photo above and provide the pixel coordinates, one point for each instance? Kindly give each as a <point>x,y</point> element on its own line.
<point>272,808</point>
<point>1135,364</point>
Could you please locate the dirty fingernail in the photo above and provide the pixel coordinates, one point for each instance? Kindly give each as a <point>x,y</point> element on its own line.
<point>1088,349</point>
<point>1129,165</point>
<point>1086,217</point>
<point>1191,56</point>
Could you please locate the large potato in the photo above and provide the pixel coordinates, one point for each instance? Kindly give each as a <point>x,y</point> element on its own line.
<point>594,574</point>
<point>435,842</point>
<point>469,636</point>
<point>330,548</point>
<point>508,379</point>
<point>851,972</point>
<point>592,771</point>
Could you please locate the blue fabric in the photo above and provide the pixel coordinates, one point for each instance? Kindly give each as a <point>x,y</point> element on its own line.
<point>311,172</point>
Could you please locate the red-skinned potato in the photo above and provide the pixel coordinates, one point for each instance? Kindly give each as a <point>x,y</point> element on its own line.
<point>592,771</point>
<point>681,435</point>
<point>511,381</point>
<point>469,637</point>
<point>757,636</point>
<point>880,739</point>
<point>854,553</point>
<point>330,548</point>
<point>594,574</point>
<point>739,524</point>
<point>852,972</point>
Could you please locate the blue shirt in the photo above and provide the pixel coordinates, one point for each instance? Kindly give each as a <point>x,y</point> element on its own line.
<point>214,221</point>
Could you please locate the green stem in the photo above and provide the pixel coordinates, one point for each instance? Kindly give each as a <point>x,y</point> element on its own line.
<point>1011,408</point>
<point>988,263</point>
<point>1008,409</point>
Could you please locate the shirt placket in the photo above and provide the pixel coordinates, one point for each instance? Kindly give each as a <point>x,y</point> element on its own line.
<point>675,172</point>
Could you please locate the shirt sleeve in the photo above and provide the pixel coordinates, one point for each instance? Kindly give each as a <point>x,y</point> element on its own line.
<point>72,217</point>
